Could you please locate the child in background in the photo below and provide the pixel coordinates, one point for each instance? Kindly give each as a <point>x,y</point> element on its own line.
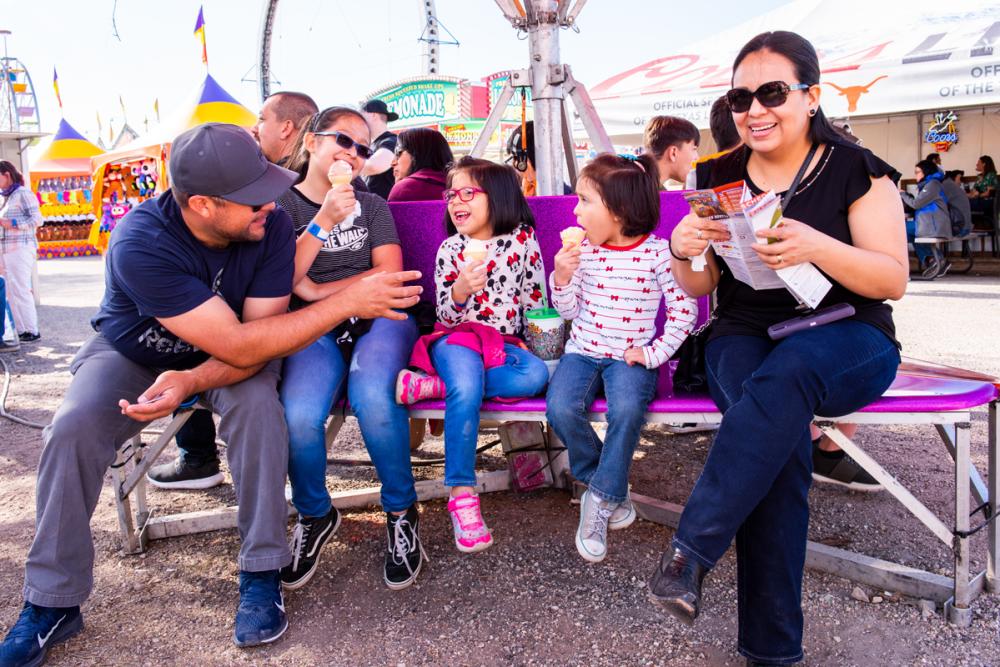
<point>476,350</point>
<point>610,285</point>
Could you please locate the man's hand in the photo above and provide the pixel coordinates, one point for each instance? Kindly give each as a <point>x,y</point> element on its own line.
<point>381,295</point>
<point>635,355</point>
<point>567,262</point>
<point>337,205</point>
<point>162,398</point>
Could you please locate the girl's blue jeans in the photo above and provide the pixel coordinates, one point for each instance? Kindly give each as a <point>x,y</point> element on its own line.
<point>467,382</point>
<point>578,379</point>
<point>315,379</point>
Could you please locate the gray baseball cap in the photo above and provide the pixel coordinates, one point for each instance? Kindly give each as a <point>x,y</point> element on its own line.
<point>223,160</point>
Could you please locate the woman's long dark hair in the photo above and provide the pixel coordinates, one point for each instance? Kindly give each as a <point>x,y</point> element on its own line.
<point>507,206</point>
<point>428,149</point>
<point>803,57</point>
<point>988,166</point>
<point>320,121</point>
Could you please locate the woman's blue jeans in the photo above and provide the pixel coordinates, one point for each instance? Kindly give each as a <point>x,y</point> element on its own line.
<point>755,483</point>
<point>467,382</point>
<point>313,381</point>
<point>603,467</point>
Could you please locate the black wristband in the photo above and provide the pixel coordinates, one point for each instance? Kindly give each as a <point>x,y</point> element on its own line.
<point>675,256</point>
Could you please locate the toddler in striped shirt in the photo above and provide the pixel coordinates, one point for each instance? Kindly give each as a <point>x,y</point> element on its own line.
<point>611,285</point>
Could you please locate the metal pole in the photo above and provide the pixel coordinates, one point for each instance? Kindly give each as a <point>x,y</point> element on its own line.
<point>432,44</point>
<point>264,50</point>
<point>546,94</point>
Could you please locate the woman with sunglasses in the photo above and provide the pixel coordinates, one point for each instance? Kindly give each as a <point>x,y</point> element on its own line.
<point>420,167</point>
<point>360,358</point>
<point>847,220</point>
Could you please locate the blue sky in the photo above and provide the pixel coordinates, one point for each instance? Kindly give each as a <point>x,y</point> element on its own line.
<point>336,50</point>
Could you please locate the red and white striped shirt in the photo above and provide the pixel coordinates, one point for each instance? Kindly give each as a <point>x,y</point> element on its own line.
<point>614,297</point>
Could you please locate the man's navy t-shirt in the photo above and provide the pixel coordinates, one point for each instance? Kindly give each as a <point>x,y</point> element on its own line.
<point>156,268</point>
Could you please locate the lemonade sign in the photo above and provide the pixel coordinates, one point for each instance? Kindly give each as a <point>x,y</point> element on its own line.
<point>423,102</point>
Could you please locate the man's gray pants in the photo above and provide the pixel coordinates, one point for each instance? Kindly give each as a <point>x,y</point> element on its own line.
<point>80,445</point>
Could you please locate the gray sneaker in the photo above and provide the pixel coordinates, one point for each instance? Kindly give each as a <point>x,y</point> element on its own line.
<point>9,347</point>
<point>592,531</point>
<point>623,516</point>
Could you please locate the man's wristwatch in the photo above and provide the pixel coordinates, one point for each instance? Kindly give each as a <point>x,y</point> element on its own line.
<point>318,231</point>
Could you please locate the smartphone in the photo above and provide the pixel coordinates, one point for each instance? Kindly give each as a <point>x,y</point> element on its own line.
<point>810,321</point>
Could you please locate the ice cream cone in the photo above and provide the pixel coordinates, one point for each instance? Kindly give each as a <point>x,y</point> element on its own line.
<point>340,173</point>
<point>572,236</point>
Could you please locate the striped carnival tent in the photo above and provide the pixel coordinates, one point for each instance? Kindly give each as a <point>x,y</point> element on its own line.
<point>68,154</point>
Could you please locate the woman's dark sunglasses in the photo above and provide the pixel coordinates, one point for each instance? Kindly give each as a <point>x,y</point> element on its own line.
<point>344,141</point>
<point>771,94</point>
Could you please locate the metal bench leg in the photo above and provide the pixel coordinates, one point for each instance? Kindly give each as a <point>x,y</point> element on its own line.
<point>993,535</point>
<point>958,609</point>
<point>333,428</point>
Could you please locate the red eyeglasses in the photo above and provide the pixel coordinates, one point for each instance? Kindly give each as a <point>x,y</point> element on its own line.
<point>464,194</point>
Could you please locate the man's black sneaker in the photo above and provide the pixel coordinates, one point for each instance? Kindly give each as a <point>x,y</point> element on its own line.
<point>37,630</point>
<point>307,541</point>
<point>179,474</point>
<point>28,337</point>
<point>9,347</point>
<point>838,468</point>
<point>260,618</point>
<point>404,555</point>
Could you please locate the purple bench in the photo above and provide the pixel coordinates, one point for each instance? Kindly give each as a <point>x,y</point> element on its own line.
<point>944,404</point>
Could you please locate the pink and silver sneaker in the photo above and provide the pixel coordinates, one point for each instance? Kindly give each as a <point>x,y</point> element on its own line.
<point>471,533</point>
<point>413,386</point>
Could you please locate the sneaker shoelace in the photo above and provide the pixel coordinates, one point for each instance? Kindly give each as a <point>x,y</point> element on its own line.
<point>470,519</point>
<point>404,537</point>
<point>599,521</point>
<point>300,536</point>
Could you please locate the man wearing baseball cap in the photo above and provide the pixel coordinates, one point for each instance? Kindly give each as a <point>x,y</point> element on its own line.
<point>378,169</point>
<point>197,288</point>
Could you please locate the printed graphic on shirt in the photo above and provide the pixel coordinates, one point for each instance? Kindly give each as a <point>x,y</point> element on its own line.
<point>351,238</point>
<point>159,339</point>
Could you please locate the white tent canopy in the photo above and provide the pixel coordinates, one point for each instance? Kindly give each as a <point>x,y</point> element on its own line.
<point>876,59</point>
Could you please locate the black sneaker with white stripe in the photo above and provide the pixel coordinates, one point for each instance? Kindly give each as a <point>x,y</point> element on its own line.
<point>307,540</point>
<point>404,555</point>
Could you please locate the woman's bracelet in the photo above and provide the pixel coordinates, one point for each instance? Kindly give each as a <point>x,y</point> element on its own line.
<point>670,246</point>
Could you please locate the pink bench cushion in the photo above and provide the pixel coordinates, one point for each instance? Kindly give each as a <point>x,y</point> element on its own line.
<point>908,393</point>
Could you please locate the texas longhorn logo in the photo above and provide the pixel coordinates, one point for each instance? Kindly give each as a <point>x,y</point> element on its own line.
<point>942,132</point>
<point>854,93</point>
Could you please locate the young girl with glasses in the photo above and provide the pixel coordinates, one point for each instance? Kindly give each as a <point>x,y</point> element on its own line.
<point>345,236</point>
<point>487,274</point>
<point>611,285</point>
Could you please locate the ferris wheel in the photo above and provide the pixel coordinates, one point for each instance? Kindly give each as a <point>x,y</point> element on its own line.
<point>18,104</point>
<point>430,38</point>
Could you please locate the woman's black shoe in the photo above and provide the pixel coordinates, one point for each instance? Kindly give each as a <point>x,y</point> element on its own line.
<point>676,586</point>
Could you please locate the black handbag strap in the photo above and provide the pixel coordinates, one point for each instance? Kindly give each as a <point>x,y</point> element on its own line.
<point>787,199</point>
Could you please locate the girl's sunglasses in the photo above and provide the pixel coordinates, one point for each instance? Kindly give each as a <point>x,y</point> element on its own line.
<point>464,194</point>
<point>771,94</point>
<point>346,142</point>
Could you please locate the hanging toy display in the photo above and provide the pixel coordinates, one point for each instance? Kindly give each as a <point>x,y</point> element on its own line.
<point>67,216</point>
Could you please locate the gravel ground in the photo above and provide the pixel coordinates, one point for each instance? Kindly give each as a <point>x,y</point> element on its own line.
<point>530,600</point>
